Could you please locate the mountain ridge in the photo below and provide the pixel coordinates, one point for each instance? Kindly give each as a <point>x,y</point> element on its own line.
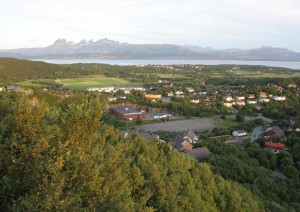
<point>109,49</point>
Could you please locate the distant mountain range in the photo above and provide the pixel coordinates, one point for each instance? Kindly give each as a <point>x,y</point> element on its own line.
<point>108,49</point>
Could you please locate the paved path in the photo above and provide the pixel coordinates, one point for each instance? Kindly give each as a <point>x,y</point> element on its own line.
<point>255,133</point>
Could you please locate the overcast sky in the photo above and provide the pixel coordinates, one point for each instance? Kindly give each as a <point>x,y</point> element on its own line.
<point>209,23</point>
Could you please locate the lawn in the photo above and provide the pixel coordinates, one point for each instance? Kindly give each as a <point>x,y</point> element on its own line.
<point>98,80</point>
<point>229,123</point>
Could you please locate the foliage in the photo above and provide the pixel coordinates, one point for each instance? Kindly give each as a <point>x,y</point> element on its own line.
<point>244,167</point>
<point>62,157</point>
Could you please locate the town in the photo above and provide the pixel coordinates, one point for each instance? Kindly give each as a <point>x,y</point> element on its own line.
<point>209,114</point>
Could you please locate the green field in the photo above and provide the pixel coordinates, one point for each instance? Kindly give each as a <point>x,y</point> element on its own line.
<point>94,81</point>
<point>251,74</point>
<point>229,123</point>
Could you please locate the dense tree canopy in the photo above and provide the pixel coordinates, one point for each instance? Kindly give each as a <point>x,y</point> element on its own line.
<point>60,156</point>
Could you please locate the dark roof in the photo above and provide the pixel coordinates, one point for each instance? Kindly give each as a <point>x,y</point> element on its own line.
<point>12,87</point>
<point>199,153</point>
<point>273,123</point>
<point>148,135</point>
<point>126,110</point>
<point>190,133</point>
<point>177,142</point>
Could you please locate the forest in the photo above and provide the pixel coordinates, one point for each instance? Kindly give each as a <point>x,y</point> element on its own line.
<point>56,154</point>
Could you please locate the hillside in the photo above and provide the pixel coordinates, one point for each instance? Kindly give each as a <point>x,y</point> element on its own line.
<point>58,157</point>
<point>15,69</point>
<point>108,49</point>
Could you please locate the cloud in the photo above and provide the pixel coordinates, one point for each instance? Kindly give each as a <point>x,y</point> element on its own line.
<point>216,23</point>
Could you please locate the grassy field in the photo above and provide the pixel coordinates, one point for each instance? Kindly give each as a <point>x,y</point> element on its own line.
<point>94,81</point>
<point>229,123</point>
<point>251,74</point>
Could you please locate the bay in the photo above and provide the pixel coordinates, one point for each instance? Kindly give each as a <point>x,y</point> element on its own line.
<point>285,64</point>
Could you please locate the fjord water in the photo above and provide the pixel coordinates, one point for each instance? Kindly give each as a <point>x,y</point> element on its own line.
<point>285,64</point>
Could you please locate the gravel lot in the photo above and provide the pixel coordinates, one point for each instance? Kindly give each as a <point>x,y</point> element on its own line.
<point>199,124</point>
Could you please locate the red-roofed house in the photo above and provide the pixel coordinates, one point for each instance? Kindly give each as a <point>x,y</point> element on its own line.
<point>271,133</point>
<point>274,145</point>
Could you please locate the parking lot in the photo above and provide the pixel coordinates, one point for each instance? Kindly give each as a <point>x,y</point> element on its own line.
<point>198,124</point>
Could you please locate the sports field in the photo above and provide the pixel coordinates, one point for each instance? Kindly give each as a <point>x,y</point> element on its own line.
<point>83,83</point>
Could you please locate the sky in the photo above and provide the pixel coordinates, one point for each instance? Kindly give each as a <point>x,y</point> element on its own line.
<point>219,24</point>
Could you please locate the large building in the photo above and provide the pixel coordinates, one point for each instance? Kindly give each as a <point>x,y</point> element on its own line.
<point>128,113</point>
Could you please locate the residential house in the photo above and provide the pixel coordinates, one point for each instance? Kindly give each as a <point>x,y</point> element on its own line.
<point>153,97</point>
<point>190,136</point>
<point>250,96</point>
<point>12,88</point>
<point>292,85</point>
<point>170,94</point>
<point>240,98</point>
<point>181,144</point>
<point>278,98</point>
<point>102,89</point>
<point>111,99</point>
<point>178,93</point>
<point>195,101</point>
<point>228,98</point>
<point>240,102</point>
<point>128,113</point>
<point>280,88</point>
<point>228,104</point>
<point>262,94</point>
<point>262,100</point>
<point>190,90</point>
<point>252,101</point>
<point>207,100</point>
<point>274,146</point>
<point>202,93</point>
<point>274,131</point>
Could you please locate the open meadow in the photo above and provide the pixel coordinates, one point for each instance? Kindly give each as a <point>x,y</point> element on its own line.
<point>94,81</point>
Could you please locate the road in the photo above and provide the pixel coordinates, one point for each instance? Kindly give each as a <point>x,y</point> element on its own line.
<point>255,133</point>
<point>249,118</point>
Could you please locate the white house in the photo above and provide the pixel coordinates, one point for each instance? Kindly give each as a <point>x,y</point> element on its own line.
<point>190,90</point>
<point>262,94</point>
<point>250,96</point>
<point>179,93</point>
<point>195,101</point>
<point>278,98</point>
<point>240,98</point>
<point>228,98</point>
<point>264,100</point>
<point>170,94</point>
<point>102,89</point>
<point>240,102</point>
<point>252,102</point>
<point>228,104</point>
